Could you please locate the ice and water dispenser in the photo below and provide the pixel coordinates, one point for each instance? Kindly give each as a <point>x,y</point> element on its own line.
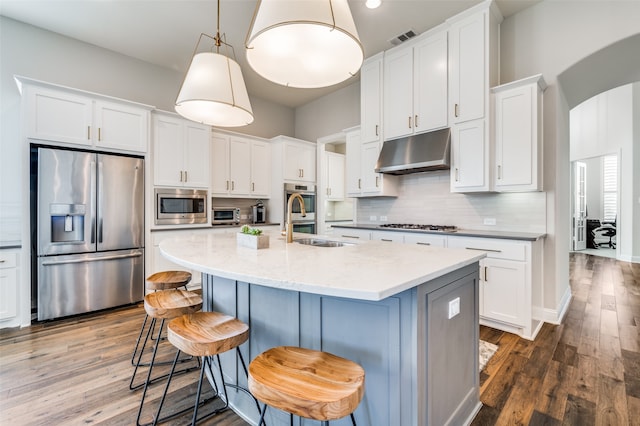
<point>67,222</point>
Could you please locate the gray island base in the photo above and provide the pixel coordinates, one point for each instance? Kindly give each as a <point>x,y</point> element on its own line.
<point>418,345</point>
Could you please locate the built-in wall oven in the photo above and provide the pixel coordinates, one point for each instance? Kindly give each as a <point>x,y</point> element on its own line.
<point>179,206</point>
<point>305,224</point>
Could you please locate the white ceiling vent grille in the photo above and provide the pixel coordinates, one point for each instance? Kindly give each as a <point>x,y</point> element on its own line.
<point>403,37</point>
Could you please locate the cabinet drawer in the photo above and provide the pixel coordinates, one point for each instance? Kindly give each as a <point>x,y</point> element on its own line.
<point>497,249</point>
<point>8,260</point>
<point>388,236</point>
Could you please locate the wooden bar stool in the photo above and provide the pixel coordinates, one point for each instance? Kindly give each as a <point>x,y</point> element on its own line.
<point>163,305</point>
<point>164,280</point>
<point>306,383</point>
<point>206,334</point>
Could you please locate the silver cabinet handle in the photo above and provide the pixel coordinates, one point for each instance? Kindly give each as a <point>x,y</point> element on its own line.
<point>253,186</point>
<point>350,236</point>
<point>457,175</point>
<point>499,172</point>
<point>186,178</point>
<point>409,121</point>
<point>423,244</point>
<point>484,249</point>
<point>415,121</point>
<point>359,181</point>
<point>377,130</point>
<point>377,178</point>
<point>386,240</point>
<point>227,185</point>
<point>88,132</point>
<point>181,172</point>
<point>99,133</point>
<point>485,275</point>
<point>456,110</point>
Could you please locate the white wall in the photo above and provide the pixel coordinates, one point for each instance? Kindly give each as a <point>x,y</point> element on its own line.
<point>32,52</point>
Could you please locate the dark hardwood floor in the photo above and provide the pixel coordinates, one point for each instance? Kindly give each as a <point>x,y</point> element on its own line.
<point>584,372</point>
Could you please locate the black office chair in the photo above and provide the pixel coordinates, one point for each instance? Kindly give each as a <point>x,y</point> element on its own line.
<point>606,230</point>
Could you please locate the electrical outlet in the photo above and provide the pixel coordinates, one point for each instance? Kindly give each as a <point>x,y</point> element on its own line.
<point>454,307</point>
<point>373,218</point>
<point>489,220</point>
<point>383,218</point>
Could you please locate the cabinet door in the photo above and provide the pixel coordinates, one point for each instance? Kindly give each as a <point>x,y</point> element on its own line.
<point>502,287</point>
<point>470,156</point>
<point>260,169</point>
<point>120,126</point>
<point>398,93</point>
<point>168,151</point>
<point>59,116</point>
<point>307,163</point>
<point>354,164</point>
<point>430,100</point>
<point>299,162</point>
<point>353,234</point>
<point>370,179</point>
<point>220,182</point>
<point>8,285</point>
<point>516,140</point>
<point>335,176</point>
<point>371,99</point>
<point>240,166</point>
<point>468,68</point>
<point>196,155</point>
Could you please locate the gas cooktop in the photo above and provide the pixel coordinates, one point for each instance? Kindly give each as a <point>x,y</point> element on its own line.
<point>439,228</point>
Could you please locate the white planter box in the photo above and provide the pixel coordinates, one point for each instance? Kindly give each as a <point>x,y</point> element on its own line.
<point>252,241</point>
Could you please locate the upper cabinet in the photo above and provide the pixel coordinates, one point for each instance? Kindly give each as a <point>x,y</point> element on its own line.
<point>474,38</point>
<point>415,86</point>
<point>69,116</point>
<point>334,176</point>
<point>241,166</point>
<point>517,121</point>
<point>371,98</point>
<point>296,158</point>
<point>362,180</point>
<point>180,152</point>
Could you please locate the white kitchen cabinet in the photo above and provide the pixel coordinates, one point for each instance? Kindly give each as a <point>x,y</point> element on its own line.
<point>241,166</point>
<point>334,176</point>
<point>180,152</point>
<point>299,161</point>
<point>387,236</point>
<point>352,234</point>
<point>362,180</point>
<point>470,157</point>
<point>425,239</point>
<point>70,116</point>
<point>371,99</point>
<point>415,86</point>
<point>474,42</point>
<point>8,284</point>
<point>510,283</point>
<point>517,124</point>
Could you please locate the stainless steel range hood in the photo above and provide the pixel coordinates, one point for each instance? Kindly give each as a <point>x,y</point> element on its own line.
<point>417,153</point>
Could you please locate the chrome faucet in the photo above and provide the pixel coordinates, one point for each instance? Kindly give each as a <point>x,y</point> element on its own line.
<point>289,225</point>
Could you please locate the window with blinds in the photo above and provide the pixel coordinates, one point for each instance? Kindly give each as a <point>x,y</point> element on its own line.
<point>610,187</point>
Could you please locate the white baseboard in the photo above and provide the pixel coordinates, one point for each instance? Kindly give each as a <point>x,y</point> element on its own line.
<point>555,316</point>
<point>632,259</point>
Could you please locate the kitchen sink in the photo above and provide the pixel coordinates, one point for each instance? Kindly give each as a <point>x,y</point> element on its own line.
<point>319,242</point>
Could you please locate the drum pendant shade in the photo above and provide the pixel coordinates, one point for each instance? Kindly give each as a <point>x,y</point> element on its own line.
<point>214,93</point>
<point>304,44</point>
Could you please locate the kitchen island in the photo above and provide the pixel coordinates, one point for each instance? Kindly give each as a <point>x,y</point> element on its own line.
<point>408,315</point>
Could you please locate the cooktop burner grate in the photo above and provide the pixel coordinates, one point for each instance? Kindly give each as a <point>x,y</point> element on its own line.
<point>440,228</point>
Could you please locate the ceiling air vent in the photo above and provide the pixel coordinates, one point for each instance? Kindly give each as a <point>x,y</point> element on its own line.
<point>403,37</point>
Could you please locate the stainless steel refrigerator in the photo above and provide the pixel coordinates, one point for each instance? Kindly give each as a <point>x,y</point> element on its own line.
<point>88,228</point>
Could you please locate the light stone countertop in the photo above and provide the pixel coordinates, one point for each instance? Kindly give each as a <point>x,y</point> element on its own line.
<point>367,270</point>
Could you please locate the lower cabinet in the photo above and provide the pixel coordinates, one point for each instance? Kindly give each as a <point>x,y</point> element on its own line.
<point>8,285</point>
<point>510,294</point>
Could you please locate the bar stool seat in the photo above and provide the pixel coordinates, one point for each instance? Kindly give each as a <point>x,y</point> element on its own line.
<point>307,383</point>
<point>205,334</point>
<point>168,280</point>
<point>163,305</point>
<point>163,280</point>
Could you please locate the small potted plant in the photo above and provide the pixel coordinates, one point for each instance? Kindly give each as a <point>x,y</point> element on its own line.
<point>252,238</point>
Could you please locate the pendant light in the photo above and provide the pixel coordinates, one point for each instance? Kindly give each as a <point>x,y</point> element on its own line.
<point>213,91</point>
<point>305,44</point>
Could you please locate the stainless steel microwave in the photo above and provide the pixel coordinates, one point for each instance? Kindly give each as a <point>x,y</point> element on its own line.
<point>225,215</point>
<point>178,206</point>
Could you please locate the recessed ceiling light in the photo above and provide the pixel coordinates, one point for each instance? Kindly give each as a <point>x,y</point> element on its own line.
<point>372,4</point>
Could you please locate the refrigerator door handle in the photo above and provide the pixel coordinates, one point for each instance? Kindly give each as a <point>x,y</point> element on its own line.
<point>100,196</point>
<point>93,200</point>
<point>91,259</point>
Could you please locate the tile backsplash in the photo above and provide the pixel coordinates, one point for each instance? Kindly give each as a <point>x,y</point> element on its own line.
<point>425,198</point>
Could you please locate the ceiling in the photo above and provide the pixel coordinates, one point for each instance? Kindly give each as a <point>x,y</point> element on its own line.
<point>165,32</point>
